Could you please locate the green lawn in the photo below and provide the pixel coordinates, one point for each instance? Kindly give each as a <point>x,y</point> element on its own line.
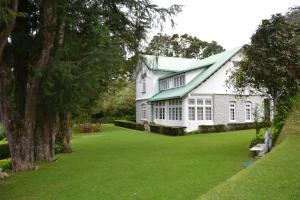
<point>125,164</point>
<point>275,176</point>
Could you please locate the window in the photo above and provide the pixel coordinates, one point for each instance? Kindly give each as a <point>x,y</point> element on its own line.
<point>248,111</point>
<point>144,85</point>
<point>159,109</point>
<point>175,110</point>
<point>207,113</point>
<point>179,80</point>
<point>144,111</point>
<point>200,113</point>
<point>232,111</point>
<point>191,113</point>
<point>191,101</point>
<point>203,109</point>
<point>164,84</point>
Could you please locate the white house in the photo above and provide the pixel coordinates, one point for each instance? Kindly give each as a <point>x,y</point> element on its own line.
<point>191,92</point>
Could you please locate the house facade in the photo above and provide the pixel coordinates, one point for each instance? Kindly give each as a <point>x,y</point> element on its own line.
<point>191,92</point>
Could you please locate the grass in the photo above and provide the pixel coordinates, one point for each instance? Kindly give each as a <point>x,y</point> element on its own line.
<point>275,176</point>
<point>125,164</point>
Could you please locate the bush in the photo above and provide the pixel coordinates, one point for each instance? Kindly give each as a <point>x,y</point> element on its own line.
<point>59,148</point>
<point>256,140</point>
<point>4,149</point>
<point>212,128</point>
<point>167,130</point>
<point>6,164</point>
<point>230,127</point>
<point>129,124</point>
<point>155,128</point>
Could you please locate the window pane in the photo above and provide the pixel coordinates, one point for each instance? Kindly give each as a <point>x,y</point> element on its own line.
<point>180,113</point>
<point>170,113</point>
<point>191,113</point>
<point>199,113</point>
<point>208,113</point>
<point>192,101</point>
<point>200,101</point>
<point>173,113</point>
<point>207,101</point>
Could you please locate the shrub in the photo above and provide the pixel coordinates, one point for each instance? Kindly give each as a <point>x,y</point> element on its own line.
<point>167,130</point>
<point>59,148</point>
<point>230,127</point>
<point>212,128</point>
<point>129,124</point>
<point>256,140</point>
<point>155,128</point>
<point>4,149</point>
<point>6,164</point>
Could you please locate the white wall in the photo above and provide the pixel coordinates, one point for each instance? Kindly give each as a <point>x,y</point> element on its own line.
<point>193,125</point>
<point>216,84</point>
<point>190,75</point>
<point>152,86</point>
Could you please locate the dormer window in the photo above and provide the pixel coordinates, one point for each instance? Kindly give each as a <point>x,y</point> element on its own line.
<point>179,80</point>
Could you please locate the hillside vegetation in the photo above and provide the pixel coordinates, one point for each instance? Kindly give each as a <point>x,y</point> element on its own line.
<point>275,176</point>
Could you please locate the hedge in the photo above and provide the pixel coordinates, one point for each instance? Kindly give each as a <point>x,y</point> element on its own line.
<point>4,149</point>
<point>129,124</point>
<point>212,128</point>
<point>167,130</point>
<point>229,127</point>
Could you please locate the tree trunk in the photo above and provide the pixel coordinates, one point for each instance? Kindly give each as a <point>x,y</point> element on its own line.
<point>44,141</point>
<point>64,133</point>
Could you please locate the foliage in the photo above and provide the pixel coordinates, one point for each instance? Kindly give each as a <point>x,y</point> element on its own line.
<point>293,17</point>
<point>2,134</point>
<point>6,164</point>
<point>117,102</point>
<point>80,72</point>
<point>167,130</point>
<point>185,46</point>
<point>114,165</point>
<point>129,124</point>
<point>271,63</point>
<point>274,176</point>
<point>4,149</point>
<point>59,148</point>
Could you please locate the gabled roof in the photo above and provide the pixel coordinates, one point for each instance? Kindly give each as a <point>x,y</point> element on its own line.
<point>172,64</point>
<point>214,63</point>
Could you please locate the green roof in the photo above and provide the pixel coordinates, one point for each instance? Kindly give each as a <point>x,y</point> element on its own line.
<point>172,64</point>
<point>214,62</point>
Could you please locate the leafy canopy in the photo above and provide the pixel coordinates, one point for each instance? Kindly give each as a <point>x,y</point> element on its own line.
<point>185,46</point>
<point>271,63</point>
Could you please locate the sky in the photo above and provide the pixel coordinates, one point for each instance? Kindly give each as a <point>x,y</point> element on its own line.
<point>229,22</point>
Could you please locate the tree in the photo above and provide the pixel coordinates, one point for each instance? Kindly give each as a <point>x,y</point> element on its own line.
<point>185,46</point>
<point>293,17</point>
<point>271,62</point>
<point>34,54</point>
<point>118,101</point>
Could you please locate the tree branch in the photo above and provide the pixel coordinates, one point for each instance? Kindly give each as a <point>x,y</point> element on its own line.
<point>4,34</point>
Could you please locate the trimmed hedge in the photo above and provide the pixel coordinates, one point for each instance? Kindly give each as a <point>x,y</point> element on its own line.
<point>129,124</point>
<point>167,130</point>
<point>229,127</point>
<point>212,128</point>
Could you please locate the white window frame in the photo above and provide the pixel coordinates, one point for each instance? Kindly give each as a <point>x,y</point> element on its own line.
<point>144,112</point>
<point>144,85</point>
<point>175,109</point>
<point>232,105</point>
<point>248,106</point>
<point>201,104</point>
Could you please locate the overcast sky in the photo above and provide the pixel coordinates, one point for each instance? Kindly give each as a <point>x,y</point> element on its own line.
<point>229,22</point>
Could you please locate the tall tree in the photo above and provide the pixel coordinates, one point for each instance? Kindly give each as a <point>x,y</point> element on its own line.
<point>32,48</point>
<point>185,46</point>
<point>271,63</point>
